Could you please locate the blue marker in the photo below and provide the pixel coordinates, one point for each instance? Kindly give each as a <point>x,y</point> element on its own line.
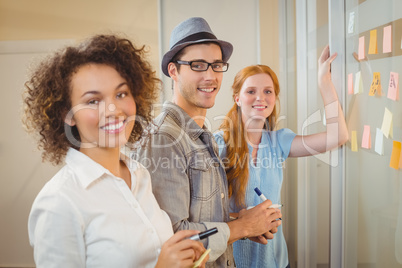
<point>263,198</point>
<point>260,194</point>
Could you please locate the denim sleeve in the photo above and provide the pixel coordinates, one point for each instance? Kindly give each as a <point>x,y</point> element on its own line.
<point>166,160</point>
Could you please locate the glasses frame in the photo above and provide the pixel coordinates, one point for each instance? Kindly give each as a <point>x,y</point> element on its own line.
<point>182,62</point>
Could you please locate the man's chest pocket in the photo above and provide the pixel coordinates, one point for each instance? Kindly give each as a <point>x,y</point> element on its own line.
<point>204,177</point>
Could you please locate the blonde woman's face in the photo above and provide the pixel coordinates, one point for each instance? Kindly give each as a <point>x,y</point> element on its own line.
<point>103,106</point>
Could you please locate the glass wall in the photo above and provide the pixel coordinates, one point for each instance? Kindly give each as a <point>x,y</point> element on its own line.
<point>308,179</point>
<point>318,166</point>
<point>373,218</point>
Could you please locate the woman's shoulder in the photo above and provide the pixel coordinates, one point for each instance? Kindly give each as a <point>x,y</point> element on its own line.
<point>282,133</point>
<point>57,192</point>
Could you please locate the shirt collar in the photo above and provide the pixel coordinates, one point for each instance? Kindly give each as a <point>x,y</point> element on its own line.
<point>87,170</point>
<point>183,120</point>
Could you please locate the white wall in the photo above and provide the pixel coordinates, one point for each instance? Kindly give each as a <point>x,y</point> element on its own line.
<point>22,172</point>
<point>235,21</point>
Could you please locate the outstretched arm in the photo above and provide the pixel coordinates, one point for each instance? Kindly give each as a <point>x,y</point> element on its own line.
<point>336,133</point>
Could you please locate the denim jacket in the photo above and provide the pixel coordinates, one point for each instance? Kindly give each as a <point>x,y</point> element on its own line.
<point>188,179</point>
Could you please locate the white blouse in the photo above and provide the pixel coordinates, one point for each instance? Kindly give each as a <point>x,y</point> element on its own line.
<point>86,217</point>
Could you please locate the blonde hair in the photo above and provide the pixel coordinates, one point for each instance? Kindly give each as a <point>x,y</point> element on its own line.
<point>234,135</point>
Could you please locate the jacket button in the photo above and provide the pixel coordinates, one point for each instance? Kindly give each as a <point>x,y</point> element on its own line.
<point>229,262</point>
<point>222,195</point>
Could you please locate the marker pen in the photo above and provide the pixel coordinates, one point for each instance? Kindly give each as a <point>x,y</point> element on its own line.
<point>263,198</point>
<point>204,234</point>
<point>260,194</point>
<point>275,206</point>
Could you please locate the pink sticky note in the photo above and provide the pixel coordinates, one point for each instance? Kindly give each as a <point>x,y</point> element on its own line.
<point>393,86</point>
<point>387,39</point>
<point>350,84</point>
<point>361,48</point>
<point>366,140</point>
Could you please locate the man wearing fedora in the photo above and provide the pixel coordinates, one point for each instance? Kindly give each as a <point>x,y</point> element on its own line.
<point>188,177</point>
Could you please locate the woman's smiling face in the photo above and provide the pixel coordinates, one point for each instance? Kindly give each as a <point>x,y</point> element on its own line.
<point>103,107</point>
<point>256,97</point>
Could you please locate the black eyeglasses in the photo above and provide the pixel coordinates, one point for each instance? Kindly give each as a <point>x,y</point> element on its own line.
<point>202,66</point>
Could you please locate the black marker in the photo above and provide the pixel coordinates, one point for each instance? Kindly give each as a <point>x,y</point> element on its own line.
<point>204,234</point>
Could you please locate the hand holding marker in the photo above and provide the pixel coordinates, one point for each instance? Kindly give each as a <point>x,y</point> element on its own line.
<point>200,236</point>
<point>263,198</point>
<point>204,234</point>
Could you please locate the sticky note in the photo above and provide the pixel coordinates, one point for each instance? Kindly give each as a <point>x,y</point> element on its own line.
<point>393,86</point>
<point>395,155</point>
<point>400,160</point>
<point>324,118</point>
<point>354,141</point>
<point>198,262</point>
<point>366,140</point>
<point>350,83</point>
<point>379,142</point>
<point>373,42</point>
<point>358,83</point>
<point>375,85</point>
<point>351,25</point>
<point>361,54</point>
<point>387,39</point>
<point>386,127</point>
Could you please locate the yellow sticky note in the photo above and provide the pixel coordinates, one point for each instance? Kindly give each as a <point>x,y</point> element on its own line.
<point>375,87</point>
<point>395,155</point>
<point>198,262</point>
<point>400,160</point>
<point>358,83</point>
<point>393,86</point>
<point>350,83</point>
<point>373,42</point>
<point>386,127</point>
<point>387,39</point>
<point>361,54</point>
<point>354,141</point>
<point>366,140</point>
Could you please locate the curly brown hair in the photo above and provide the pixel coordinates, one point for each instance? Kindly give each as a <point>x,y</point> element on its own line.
<point>47,96</point>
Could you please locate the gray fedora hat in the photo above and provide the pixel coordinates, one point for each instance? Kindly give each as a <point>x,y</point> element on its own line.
<point>193,31</point>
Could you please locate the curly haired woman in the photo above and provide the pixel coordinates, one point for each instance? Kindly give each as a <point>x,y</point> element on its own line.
<point>84,103</point>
